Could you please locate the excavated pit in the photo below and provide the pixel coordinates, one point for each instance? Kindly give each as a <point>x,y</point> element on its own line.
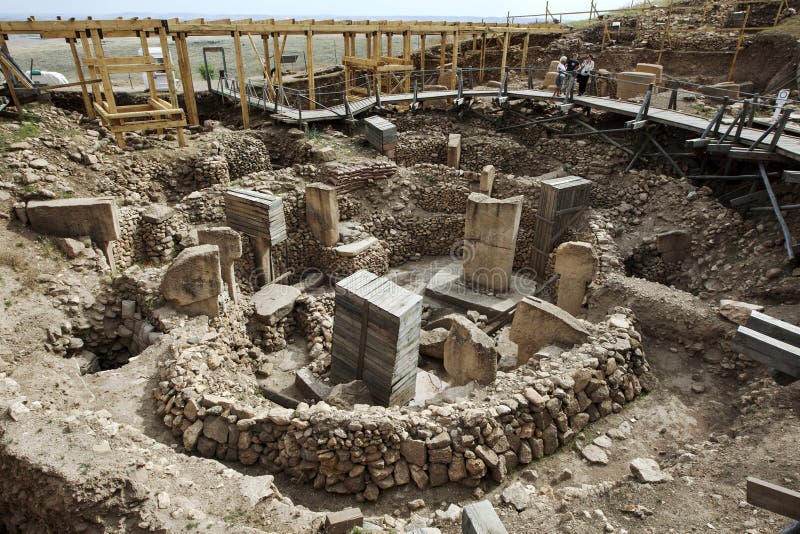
<point>225,387</point>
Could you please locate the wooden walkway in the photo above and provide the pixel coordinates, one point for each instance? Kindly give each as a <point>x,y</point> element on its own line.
<point>787,145</point>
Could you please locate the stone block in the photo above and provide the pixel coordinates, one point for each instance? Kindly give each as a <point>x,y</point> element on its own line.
<point>454,151</point>
<point>193,282</point>
<point>652,68</point>
<point>343,521</point>
<point>322,213</point>
<point>538,323</point>
<point>469,354</point>
<point>576,263</point>
<point>490,240</point>
<point>633,84</point>
<point>431,342</point>
<point>674,245</point>
<point>75,217</point>
<point>487,180</point>
<point>550,80</point>
<point>157,213</point>
<point>481,518</point>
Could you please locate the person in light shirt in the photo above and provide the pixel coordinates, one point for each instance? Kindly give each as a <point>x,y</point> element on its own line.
<point>562,73</point>
<point>584,71</point>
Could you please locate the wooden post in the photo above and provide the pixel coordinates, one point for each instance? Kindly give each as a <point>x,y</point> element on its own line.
<point>407,57</point>
<point>173,94</point>
<point>369,44</point>
<point>151,81</point>
<point>87,101</point>
<point>265,45</point>
<point>87,54</point>
<point>442,50</point>
<point>389,44</point>
<point>277,49</point>
<point>422,53</point>
<point>482,63</point>
<point>10,81</point>
<point>182,48</point>
<point>506,39</point>
<point>474,42</point>
<point>455,61</point>
<point>110,103</point>
<point>237,49</point>
<point>347,53</point>
<point>310,68</point>
<point>525,43</point>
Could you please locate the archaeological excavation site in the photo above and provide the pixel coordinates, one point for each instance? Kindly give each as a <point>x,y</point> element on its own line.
<point>534,275</point>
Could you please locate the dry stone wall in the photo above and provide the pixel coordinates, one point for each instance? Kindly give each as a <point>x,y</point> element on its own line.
<point>522,417</point>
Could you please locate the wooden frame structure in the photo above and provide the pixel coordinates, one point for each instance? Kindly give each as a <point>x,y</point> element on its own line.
<point>390,70</point>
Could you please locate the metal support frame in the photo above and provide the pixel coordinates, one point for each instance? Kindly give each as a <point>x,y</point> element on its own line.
<point>787,236</point>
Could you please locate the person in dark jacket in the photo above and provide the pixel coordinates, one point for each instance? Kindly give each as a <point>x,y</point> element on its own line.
<point>584,72</point>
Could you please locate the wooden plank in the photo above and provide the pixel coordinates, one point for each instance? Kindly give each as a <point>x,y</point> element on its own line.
<point>87,101</point>
<point>773,498</point>
<point>237,49</point>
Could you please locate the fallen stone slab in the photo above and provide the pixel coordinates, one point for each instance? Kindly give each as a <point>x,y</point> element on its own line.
<point>356,247</point>
<point>481,518</point>
<point>646,470</point>
<point>538,323</point>
<point>737,311</point>
<point>309,386</point>
<point>273,302</point>
<point>448,286</point>
<point>343,521</point>
<point>431,342</point>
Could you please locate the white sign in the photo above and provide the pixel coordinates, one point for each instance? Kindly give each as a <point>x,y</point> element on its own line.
<point>783,96</point>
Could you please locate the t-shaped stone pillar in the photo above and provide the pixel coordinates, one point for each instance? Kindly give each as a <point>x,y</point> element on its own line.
<point>454,150</point>
<point>490,240</point>
<point>576,265</point>
<point>322,213</point>
<point>487,180</point>
<point>230,249</point>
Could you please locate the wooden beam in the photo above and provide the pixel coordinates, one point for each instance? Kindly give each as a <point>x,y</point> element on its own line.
<point>310,68</point>
<point>773,498</point>
<point>185,66</point>
<point>442,57</point>
<point>407,57</point>
<point>422,53</point>
<point>151,82</point>
<point>108,90</point>
<point>170,71</point>
<point>525,43</point>
<point>506,39</point>
<point>237,50</point>
<point>87,101</point>
<point>482,63</point>
<point>10,81</point>
<point>278,56</point>
<point>455,61</point>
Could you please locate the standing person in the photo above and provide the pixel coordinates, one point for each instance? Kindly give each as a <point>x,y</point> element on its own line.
<point>562,73</point>
<point>584,71</point>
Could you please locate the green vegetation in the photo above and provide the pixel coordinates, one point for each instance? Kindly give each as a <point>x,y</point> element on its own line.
<point>211,72</point>
<point>28,129</point>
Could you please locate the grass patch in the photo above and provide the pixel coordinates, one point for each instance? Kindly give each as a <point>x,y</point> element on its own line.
<point>29,129</point>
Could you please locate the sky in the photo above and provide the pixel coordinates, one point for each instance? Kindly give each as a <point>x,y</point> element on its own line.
<point>452,9</point>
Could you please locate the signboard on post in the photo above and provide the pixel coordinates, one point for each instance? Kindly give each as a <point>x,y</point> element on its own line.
<point>783,96</point>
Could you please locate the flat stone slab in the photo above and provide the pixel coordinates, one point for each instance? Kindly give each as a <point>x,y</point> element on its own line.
<point>356,247</point>
<point>273,302</point>
<point>448,285</point>
<point>75,217</point>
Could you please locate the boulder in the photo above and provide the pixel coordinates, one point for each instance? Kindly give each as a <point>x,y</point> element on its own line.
<point>157,213</point>
<point>71,248</point>
<point>538,324</point>
<point>737,311</point>
<point>481,518</point>
<point>273,302</point>
<point>469,354</point>
<point>576,264</point>
<point>347,395</point>
<point>646,470</point>
<point>674,245</point>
